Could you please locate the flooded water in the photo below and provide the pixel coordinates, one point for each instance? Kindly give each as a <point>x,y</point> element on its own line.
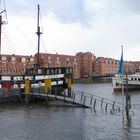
<point>46,122</point>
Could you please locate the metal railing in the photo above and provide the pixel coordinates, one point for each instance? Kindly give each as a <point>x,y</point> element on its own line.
<point>81,98</point>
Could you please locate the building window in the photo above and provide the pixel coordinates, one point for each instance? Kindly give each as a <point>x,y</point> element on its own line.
<point>59,71</point>
<point>57,61</point>
<point>48,72</point>
<point>23,59</point>
<point>13,59</point>
<point>49,58</point>
<point>39,71</point>
<point>3,58</point>
<point>58,58</point>
<point>106,61</point>
<point>32,59</point>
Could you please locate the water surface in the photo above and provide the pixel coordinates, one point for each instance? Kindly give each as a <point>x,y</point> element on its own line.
<point>46,122</point>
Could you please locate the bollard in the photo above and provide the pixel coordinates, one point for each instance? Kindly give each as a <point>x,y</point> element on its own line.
<point>27,86</point>
<point>47,85</point>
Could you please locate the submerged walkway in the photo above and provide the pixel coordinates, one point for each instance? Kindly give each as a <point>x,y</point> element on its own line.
<point>82,99</point>
<point>79,98</point>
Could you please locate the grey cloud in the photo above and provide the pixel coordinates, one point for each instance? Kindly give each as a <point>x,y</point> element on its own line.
<point>66,11</point>
<point>69,11</point>
<point>128,6</point>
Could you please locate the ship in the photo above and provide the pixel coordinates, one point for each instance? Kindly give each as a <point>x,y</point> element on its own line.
<point>12,86</point>
<point>131,81</point>
<point>123,81</point>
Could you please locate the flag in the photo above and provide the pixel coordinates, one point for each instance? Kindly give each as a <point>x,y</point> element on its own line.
<point>121,67</point>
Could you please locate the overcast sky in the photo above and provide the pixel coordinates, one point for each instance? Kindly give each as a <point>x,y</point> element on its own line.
<point>71,26</point>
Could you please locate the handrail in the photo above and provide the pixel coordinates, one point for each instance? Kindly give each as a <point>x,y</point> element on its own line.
<point>100,98</point>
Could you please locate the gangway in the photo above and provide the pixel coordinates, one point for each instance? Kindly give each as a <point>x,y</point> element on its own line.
<point>81,98</point>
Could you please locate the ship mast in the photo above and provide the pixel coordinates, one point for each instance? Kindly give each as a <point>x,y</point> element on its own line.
<point>1,21</point>
<point>0,31</point>
<point>38,34</point>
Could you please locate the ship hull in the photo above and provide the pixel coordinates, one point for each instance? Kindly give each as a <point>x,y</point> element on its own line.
<point>129,84</point>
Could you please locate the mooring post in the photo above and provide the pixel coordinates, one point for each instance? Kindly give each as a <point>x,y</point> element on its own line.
<point>102,103</point>
<point>128,99</point>
<point>47,86</point>
<point>27,91</point>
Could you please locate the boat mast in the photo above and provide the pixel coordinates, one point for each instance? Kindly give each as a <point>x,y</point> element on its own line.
<point>0,31</point>
<point>2,22</point>
<point>38,34</point>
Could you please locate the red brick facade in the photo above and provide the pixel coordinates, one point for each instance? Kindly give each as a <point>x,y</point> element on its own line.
<point>86,61</point>
<point>109,67</point>
<point>15,64</point>
<point>106,66</point>
<point>82,63</point>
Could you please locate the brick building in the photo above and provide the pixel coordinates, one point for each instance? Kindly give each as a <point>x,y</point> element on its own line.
<point>15,64</point>
<point>136,65</point>
<point>84,64</point>
<point>106,66</point>
<point>59,60</point>
<point>109,67</point>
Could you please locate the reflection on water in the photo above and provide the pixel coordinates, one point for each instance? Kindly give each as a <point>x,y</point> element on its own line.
<point>41,121</point>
